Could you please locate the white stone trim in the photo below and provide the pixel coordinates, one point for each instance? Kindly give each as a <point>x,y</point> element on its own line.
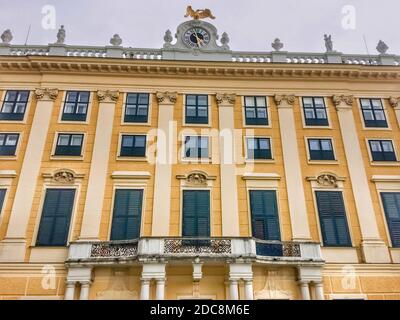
<point>89,108</point>
<point>201,125</point>
<point>69,158</point>
<point>149,110</point>
<point>27,109</point>
<point>384,106</point>
<point>327,109</point>
<point>268,107</point>
<point>137,159</point>
<point>17,147</point>
<point>382,163</point>
<point>271,144</point>
<point>323,162</point>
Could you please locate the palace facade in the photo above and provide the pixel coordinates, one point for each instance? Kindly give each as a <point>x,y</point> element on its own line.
<point>197,172</point>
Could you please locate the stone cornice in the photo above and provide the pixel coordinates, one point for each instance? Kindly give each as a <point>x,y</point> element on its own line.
<point>129,67</point>
<point>395,102</point>
<point>108,95</point>
<point>46,94</point>
<point>166,97</point>
<point>225,98</point>
<point>284,100</point>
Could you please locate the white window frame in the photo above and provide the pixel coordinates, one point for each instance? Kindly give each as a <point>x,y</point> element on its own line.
<point>382,163</point>
<point>149,111</point>
<point>89,108</point>
<point>27,109</point>
<point>364,128</point>
<point>327,109</point>
<point>268,107</point>
<point>247,160</point>
<point>17,147</point>
<point>209,110</point>
<point>321,162</point>
<point>70,158</point>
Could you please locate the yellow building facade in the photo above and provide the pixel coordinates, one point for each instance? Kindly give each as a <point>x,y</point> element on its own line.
<point>195,172</point>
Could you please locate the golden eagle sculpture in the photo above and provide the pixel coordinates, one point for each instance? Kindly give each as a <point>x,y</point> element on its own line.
<point>198,14</point>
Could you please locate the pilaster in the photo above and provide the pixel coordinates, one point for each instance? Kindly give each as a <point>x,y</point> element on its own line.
<point>373,247</point>
<point>293,175</point>
<point>12,248</point>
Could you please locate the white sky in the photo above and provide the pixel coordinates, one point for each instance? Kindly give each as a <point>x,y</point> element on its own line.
<point>251,24</point>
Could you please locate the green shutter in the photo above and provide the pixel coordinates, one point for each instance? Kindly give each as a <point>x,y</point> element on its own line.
<point>2,196</point>
<point>56,217</point>
<point>196,213</point>
<point>264,215</point>
<point>127,214</point>
<point>391,205</point>
<point>332,216</point>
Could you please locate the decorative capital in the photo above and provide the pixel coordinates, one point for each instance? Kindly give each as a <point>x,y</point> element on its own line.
<point>111,95</point>
<point>340,99</point>
<point>225,98</point>
<point>394,102</point>
<point>166,97</point>
<point>289,99</point>
<point>46,94</point>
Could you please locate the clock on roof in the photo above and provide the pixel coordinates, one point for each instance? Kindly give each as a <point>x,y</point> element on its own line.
<point>196,37</point>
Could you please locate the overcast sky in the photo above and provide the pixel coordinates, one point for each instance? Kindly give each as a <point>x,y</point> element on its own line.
<point>251,24</point>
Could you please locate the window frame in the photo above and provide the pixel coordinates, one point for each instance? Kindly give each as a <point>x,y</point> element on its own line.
<point>68,157</point>
<point>24,114</point>
<point>209,110</point>
<point>381,162</point>
<point>307,143</point>
<point>267,107</point>
<point>63,105</point>
<point>328,125</point>
<point>132,158</point>
<point>247,159</point>
<point>196,159</point>
<point>15,155</point>
<point>382,205</point>
<point>149,109</point>
<point>362,116</point>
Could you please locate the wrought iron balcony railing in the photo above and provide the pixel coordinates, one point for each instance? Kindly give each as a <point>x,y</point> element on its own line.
<point>277,249</point>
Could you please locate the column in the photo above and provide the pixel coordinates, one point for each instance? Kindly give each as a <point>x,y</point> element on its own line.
<point>85,287</point>
<point>248,289</point>
<point>69,290</point>
<point>99,166</point>
<point>293,175</point>
<point>12,248</point>
<point>160,289</point>
<point>395,103</point>
<point>373,247</point>
<point>233,289</point>
<point>319,291</point>
<point>145,289</point>
<point>164,158</point>
<point>229,196</point>
<point>305,290</point>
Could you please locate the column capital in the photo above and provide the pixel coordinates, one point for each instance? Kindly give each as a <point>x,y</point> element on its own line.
<point>108,95</point>
<point>46,94</point>
<point>343,101</point>
<point>166,97</point>
<point>395,102</point>
<point>224,99</point>
<point>284,100</point>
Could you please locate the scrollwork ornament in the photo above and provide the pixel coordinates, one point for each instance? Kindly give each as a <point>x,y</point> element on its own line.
<point>42,93</point>
<point>103,95</point>
<point>327,180</point>
<point>394,102</point>
<point>165,97</point>
<point>338,99</point>
<point>288,98</point>
<point>225,98</point>
<point>64,177</point>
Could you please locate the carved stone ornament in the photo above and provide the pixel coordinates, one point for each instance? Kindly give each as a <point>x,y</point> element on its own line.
<point>166,97</point>
<point>225,98</point>
<point>197,178</point>
<point>168,38</point>
<point>394,102</point>
<point>272,288</point>
<point>289,99</point>
<point>42,93</point>
<point>61,35</point>
<point>277,45</point>
<point>103,95</point>
<point>225,40</point>
<point>338,99</point>
<point>198,14</point>
<point>116,40</point>
<point>327,180</point>
<point>6,36</point>
<point>64,176</point>
<point>382,47</point>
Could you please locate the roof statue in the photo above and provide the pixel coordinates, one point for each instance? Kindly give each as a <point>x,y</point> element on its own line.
<point>116,40</point>
<point>6,36</point>
<point>277,44</point>
<point>61,35</point>
<point>328,43</point>
<point>382,47</point>
<point>198,14</point>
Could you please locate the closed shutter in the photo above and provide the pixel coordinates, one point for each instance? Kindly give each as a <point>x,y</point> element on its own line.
<point>2,195</point>
<point>391,205</point>
<point>196,213</point>
<point>56,217</point>
<point>264,215</point>
<point>127,214</point>
<point>332,216</point>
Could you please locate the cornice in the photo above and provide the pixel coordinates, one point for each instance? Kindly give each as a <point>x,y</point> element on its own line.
<point>166,68</point>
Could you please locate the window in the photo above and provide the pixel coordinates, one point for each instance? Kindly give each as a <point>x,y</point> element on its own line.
<point>196,147</point>
<point>133,146</point>
<point>56,217</point>
<point>14,105</point>
<point>196,213</point>
<point>76,106</point>
<point>391,206</point>
<point>8,144</point>
<point>321,149</point>
<point>256,110</point>
<point>127,214</point>
<point>264,215</point>
<point>2,196</point>
<point>373,113</point>
<point>196,109</point>
<point>136,107</point>
<point>315,113</point>
<point>69,144</point>
<point>332,217</point>
<point>382,150</point>
<point>259,148</point>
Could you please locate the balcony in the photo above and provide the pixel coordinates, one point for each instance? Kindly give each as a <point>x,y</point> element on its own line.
<point>220,249</point>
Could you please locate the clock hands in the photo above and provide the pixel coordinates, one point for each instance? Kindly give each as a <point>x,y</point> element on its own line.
<point>199,41</point>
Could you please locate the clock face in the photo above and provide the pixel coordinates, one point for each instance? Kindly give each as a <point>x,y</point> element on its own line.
<point>196,37</point>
